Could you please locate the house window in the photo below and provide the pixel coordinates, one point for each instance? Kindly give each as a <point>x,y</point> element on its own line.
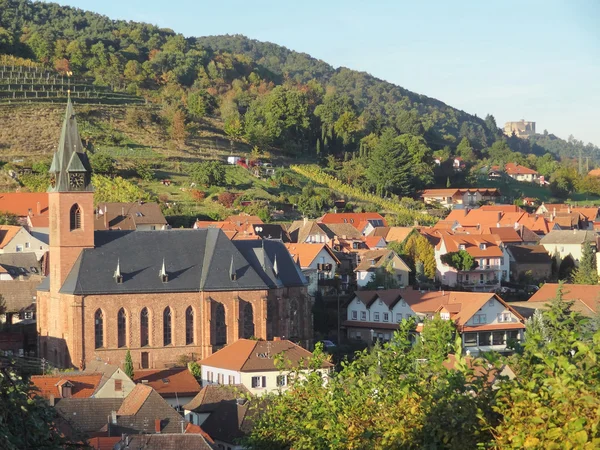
<point>479,319</point>
<point>27,245</point>
<point>259,382</point>
<point>354,315</point>
<point>248,322</point>
<point>281,380</point>
<point>144,332</point>
<point>118,385</point>
<point>363,316</point>
<point>121,328</point>
<point>386,317</point>
<point>491,302</point>
<point>153,227</point>
<point>470,339</point>
<point>461,246</point>
<point>485,338</point>
<point>504,317</point>
<point>167,331</point>
<point>99,329</point>
<point>498,338</point>
<point>189,326</point>
<point>376,317</point>
<point>19,248</point>
<point>75,217</point>
<point>512,335</point>
<point>398,317</point>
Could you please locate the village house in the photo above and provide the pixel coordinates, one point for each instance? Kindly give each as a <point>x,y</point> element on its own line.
<point>159,294</point>
<point>140,216</point>
<point>529,261</point>
<point>392,234</point>
<point>363,222</point>
<point>208,399</point>
<point>16,239</point>
<point>477,218</point>
<point>66,385</point>
<point>567,243</point>
<point>460,198</point>
<point>177,385</point>
<point>371,261</point>
<point>319,265</point>
<point>376,314</point>
<point>521,173</point>
<point>487,250</point>
<point>198,441</point>
<point>586,298</point>
<point>254,365</point>
<point>26,206</point>
<point>114,382</point>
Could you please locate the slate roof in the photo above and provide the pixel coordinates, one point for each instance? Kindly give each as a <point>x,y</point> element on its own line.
<point>87,415</point>
<point>232,421</point>
<point>211,395</point>
<point>247,355</point>
<point>530,254</point>
<point>169,382</point>
<point>23,263</point>
<point>195,260</point>
<point>570,237</point>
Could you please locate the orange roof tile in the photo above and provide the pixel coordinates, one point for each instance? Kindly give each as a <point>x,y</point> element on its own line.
<point>247,355</point>
<point>354,219</point>
<point>502,208</point>
<point>244,219</point>
<point>134,401</point>
<point>84,385</point>
<point>307,253</point>
<point>7,232</point>
<point>24,203</point>
<point>169,382</point>
<point>514,169</point>
<point>473,244</point>
<point>589,295</point>
<point>374,242</point>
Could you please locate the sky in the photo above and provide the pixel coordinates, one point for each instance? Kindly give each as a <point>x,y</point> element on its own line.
<point>537,60</point>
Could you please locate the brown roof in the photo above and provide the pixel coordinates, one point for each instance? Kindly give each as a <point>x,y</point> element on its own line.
<point>210,396</point>
<point>244,219</point>
<point>169,382</point>
<point>502,208</point>
<point>84,385</point>
<point>388,296</point>
<point>103,442</point>
<point>127,216</point>
<point>21,203</point>
<point>514,169</point>
<point>173,441</point>
<point>587,295</point>
<point>231,420</point>
<point>508,235</point>
<point>247,355</point>
<point>373,259</point>
<point>141,408</point>
<point>134,401</point>
<point>87,415</point>
<point>354,219</point>
<point>450,192</point>
<point>19,294</point>
<point>473,244</point>
<point>340,230</point>
<point>530,254</point>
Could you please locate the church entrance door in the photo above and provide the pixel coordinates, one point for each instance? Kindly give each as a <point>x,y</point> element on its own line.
<point>144,360</point>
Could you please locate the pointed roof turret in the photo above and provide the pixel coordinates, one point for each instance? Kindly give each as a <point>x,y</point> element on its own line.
<point>118,276</point>
<point>275,269</point>
<point>70,169</point>
<point>163,272</point>
<point>232,271</point>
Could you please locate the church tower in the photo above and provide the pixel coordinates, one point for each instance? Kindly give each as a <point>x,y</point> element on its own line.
<point>71,203</point>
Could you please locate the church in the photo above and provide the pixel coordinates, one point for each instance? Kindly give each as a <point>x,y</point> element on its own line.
<point>161,295</point>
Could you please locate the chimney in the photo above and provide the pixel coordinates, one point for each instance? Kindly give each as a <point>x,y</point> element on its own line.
<point>113,417</point>
<point>157,425</point>
<point>39,208</point>
<point>305,220</point>
<point>499,215</point>
<point>51,400</point>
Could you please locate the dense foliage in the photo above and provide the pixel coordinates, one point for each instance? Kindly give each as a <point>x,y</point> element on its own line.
<point>460,260</point>
<point>405,395</point>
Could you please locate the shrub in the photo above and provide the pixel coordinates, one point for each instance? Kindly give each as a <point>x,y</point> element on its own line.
<point>226,199</point>
<point>197,195</point>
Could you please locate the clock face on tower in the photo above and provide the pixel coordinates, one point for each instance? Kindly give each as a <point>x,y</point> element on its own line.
<point>76,180</point>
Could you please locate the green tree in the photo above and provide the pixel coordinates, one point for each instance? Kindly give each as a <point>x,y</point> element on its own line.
<point>196,105</point>
<point>107,190</point>
<point>8,218</point>
<point>437,339</point>
<point>465,151</point>
<point>26,419</point>
<point>208,173</point>
<point>460,260</point>
<point>102,163</point>
<point>144,170</point>
<point>421,158</point>
<point>417,249</point>
<point>128,369</point>
<point>196,370</point>
<point>586,273</point>
<point>383,277</point>
<point>389,166</point>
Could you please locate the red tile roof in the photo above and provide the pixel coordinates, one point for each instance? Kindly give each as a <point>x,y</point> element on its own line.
<point>247,355</point>
<point>169,382</point>
<point>21,203</point>
<point>514,169</point>
<point>352,218</point>
<point>307,253</point>
<point>473,244</point>
<point>587,295</point>
<point>84,385</point>
<point>135,400</point>
<point>7,232</point>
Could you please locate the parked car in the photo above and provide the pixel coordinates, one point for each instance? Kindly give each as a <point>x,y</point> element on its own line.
<point>328,345</point>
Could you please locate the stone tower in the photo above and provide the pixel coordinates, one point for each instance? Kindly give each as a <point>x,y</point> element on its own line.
<point>71,203</point>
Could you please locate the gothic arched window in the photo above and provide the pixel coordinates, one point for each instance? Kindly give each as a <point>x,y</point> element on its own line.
<point>75,217</point>
<point>144,331</point>
<point>99,329</point>
<point>122,328</point>
<point>247,329</point>
<point>189,326</point>
<point>220,337</point>
<point>294,319</point>
<point>167,331</point>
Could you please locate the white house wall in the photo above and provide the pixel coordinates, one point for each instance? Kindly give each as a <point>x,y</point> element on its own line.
<point>215,375</point>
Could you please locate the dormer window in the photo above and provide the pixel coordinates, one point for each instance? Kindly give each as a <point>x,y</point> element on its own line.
<point>372,262</point>
<point>461,246</point>
<point>482,246</point>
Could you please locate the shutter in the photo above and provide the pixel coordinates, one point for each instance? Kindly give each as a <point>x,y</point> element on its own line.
<point>264,381</point>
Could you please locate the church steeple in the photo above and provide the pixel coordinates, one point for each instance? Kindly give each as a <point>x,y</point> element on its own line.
<point>70,170</point>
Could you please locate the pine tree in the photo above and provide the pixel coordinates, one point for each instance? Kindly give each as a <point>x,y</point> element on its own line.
<point>587,272</point>
<point>128,365</point>
<point>389,168</point>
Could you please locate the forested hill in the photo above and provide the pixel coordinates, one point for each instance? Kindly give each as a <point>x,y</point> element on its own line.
<point>230,72</point>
